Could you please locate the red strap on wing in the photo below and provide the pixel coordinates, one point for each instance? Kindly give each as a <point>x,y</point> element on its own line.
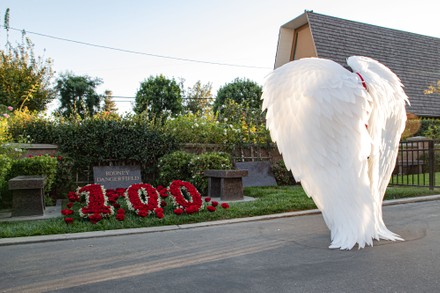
<point>362,80</point>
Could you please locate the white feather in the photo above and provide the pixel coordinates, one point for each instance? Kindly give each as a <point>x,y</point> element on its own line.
<point>317,112</point>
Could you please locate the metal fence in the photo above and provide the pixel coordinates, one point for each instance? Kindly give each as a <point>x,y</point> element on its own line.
<point>416,164</point>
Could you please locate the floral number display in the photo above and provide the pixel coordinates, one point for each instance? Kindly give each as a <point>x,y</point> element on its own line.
<point>191,205</point>
<point>96,203</point>
<point>142,198</point>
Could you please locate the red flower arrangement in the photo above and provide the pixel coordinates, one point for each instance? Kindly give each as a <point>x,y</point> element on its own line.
<point>178,190</point>
<point>66,212</point>
<point>96,203</point>
<point>120,215</point>
<point>113,195</point>
<point>72,196</point>
<point>163,192</point>
<point>142,198</point>
<point>225,205</point>
<point>95,218</point>
<point>159,213</point>
<point>68,220</point>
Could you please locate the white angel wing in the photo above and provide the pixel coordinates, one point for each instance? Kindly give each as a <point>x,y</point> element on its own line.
<point>386,124</point>
<point>317,113</point>
<point>388,117</point>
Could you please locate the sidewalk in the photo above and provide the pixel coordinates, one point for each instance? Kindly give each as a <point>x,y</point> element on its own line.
<point>49,212</point>
<point>52,212</point>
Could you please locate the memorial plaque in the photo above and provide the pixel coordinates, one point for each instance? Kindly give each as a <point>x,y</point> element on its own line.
<point>112,177</point>
<point>259,173</point>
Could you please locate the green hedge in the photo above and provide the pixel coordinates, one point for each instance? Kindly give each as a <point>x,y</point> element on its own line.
<point>281,174</point>
<point>174,166</point>
<point>429,127</point>
<point>190,167</point>
<point>5,167</point>
<point>93,141</point>
<point>206,161</point>
<point>39,165</point>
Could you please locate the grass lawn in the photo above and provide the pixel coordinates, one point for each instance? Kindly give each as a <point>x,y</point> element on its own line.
<point>269,200</point>
<point>415,179</point>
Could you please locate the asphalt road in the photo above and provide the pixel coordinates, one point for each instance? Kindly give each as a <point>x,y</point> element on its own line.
<point>279,255</point>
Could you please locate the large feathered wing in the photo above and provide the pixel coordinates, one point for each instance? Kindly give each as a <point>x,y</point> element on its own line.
<point>386,124</point>
<point>317,112</point>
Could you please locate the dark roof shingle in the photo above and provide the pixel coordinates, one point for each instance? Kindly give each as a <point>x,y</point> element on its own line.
<point>414,58</point>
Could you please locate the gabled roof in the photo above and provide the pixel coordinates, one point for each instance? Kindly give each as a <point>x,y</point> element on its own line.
<point>414,58</point>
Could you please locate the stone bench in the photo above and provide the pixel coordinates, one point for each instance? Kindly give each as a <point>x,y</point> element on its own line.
<point>226,184</point>
<point>27,195</point>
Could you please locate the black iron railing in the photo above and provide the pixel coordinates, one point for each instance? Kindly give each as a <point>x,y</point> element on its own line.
<point>416,163</point>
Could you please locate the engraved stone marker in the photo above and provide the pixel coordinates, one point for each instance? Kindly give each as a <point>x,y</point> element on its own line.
<point>112,177</point>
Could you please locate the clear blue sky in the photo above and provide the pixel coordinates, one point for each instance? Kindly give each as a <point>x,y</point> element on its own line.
<point>242,32</point>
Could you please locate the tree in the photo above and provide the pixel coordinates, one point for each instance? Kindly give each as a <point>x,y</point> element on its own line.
<point>25,80</point>
<point>159,96</point>
<point>78,95</point>
<point>198,98</point>
<point>109,104</point>
<point>432,89</point>
<point>243,91</point>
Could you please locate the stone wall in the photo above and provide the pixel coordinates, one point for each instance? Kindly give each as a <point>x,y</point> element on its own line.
<point>240,153</point>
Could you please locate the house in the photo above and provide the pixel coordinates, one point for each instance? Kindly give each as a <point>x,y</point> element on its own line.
<point>414,58</point>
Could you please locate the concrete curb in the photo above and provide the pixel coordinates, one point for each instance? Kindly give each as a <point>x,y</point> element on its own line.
<point>121,232</point>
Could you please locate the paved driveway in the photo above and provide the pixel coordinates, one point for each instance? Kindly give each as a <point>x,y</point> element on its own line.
<point>279,255</point>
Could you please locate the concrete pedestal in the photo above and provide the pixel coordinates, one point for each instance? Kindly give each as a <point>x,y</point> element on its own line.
<point>226,184</point>
<point>27,195</point>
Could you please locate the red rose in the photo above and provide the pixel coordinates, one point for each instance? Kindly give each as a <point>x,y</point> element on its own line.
<point>66,212</point>
<point>163,192</point>
<point>120,191</point>
<point>163,204</point>
<point>116,205</point>
<point>158,210</point>
<point>69,205</point>
<point>30,156</point>
<point>120,211</point>
<point>72,196</point>
<point>178,211</point>
<point>120,216</point>
<point>211,208</point>
<point>225,205</point>
<point>207,199</point>
<point>160,215</point>
<point>68,220</point>
<point>143,213</point>
<point>191,210</point>
<point>95,218</point>
<point>59,158</point>
<point>214,203</point>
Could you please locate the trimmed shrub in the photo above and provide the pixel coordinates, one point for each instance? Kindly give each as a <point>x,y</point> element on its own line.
<point>39,165</point>
<point>94,141</point>
<point>64,178</point>
<point>181,165</point>
<point>206,161</point>
<point>175,166</point>
<point>281,174</point>
<point>5,167</point>
<point>190,128</point>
